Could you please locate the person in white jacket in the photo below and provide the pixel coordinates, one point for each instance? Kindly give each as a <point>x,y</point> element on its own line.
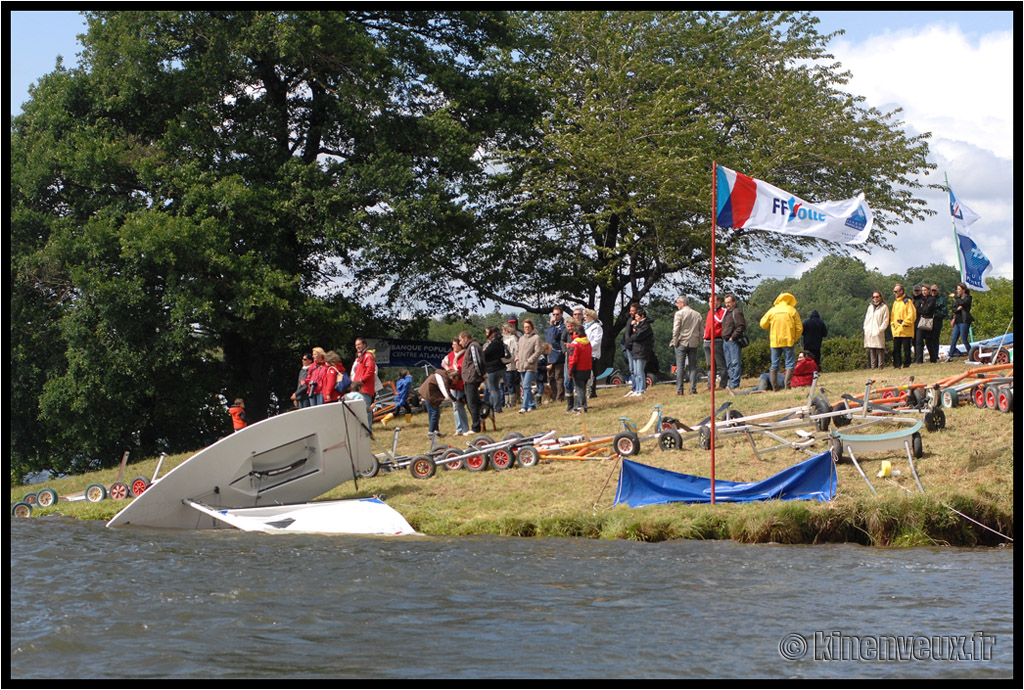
<point>595,333</point>
<point>876,323</point>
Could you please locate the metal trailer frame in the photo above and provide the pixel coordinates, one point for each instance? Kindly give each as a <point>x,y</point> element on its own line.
<point>908,439</point>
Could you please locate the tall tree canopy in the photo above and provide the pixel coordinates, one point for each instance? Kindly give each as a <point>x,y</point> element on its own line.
<point>188,204</point>
<point>611,199</point>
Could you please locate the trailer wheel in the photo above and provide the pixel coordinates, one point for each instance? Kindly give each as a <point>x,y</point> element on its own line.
<point>482,441</point>
<point>626,443</point>
<point>422,467</point>
<point>513,436</point>
<point>477,463</point>
<point>528,456</point>
<point>1004,400</point>
<point>670,439</point>
<point>502,459</point>
<point>918,447</point>
<point>950,398</point>
<point>452,465</point>
<point>138,485</point>
<point>46,498</point>
<point>704,438</point>
<point>21,509</point>
<point>372,470</point>
<point>29,498</point>
<point>819,406</point>
<point>1003,357</point>
<point>843,419</point>
<point>94,493</point>
<point>837,451</point>
<point>919,398</point>
<point>990,397</point>
<point>616,381</point>
<point>118,491</point>
<point>978,395</point>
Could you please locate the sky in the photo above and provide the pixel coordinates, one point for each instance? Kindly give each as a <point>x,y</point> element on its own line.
<point>951,73</point>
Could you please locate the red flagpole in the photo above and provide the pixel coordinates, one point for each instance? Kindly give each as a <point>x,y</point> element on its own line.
<point>711,356</point>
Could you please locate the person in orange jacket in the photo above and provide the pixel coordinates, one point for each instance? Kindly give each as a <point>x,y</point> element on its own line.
<point>237,412</point>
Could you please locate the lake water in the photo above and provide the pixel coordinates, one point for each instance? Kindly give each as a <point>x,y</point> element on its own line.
<point>88,602</point>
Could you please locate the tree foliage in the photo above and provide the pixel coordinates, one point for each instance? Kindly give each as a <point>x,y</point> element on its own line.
<point>610,199</point>
<point>187,207</point>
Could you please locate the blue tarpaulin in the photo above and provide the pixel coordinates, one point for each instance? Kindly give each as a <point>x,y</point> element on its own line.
<point>811,480</point>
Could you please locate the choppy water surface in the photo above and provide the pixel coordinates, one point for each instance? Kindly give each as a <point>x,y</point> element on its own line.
<point>88,602</point>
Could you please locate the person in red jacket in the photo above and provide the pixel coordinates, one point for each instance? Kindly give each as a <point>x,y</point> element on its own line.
<point>237,412</point>
<point>365,369</point>
<point>332,374</point>
<point>581,362</point>
<point>713,325</point>
<point>803,372</point>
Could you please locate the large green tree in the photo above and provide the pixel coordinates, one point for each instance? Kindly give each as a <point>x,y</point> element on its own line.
<point>188,204</point>
<point>611,200</point>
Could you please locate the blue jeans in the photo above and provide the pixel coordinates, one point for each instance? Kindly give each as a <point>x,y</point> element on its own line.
<point>495,382</point>
<point>433,416</point>
<point>778,352</point>
<point>459,411</point>
<point>639,374</point>
<point>528,402</point>
<point>961,331</point>
<point>733,362</point>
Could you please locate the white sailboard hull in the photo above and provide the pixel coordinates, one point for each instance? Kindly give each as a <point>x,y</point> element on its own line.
<point>346,516</point>
<point>290,458</point>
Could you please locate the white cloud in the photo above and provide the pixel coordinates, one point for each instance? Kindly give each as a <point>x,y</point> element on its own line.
<point>961,91</point>
<point>955,88</point>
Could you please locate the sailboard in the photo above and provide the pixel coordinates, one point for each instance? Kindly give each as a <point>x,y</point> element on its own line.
<point>290,458</point>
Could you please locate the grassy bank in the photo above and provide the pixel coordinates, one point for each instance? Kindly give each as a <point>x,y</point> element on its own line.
<point>968,466</point>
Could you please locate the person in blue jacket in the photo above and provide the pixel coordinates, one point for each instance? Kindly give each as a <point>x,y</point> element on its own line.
<point>402,386</point>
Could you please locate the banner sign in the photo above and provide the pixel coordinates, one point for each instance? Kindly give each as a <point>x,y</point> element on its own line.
<point>974,265</point>
<point>745,202</point>
<point>407,353</point>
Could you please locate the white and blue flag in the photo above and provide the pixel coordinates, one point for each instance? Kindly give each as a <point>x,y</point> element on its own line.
<point>973,262</point>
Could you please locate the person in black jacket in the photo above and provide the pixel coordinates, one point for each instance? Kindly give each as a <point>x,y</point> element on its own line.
<point>640,342</point>
<point>925,310</point>
<point>815,331</point>
<point>962,319</point>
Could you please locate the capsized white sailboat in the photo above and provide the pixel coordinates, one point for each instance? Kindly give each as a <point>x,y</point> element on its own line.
<point>343,516</point>
<point>274,464</point>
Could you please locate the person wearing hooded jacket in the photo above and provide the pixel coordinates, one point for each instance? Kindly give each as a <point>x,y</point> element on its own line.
<point>902,317</point>
<point>784,327</point>
<point>815,331</point>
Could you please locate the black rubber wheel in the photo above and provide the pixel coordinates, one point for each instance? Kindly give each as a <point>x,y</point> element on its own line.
<point>422,467</point>
<point>978,396</point>
<point>626,444</point>
<point>918,398</point>
<point>46,498</point>
<point>917,445</point>
<point>94,493</point>
<point>453,465</point>
<point>372,470</point>
<point>502,458</point>
<point>837,451</point>
<point>1003,357</point>
<point>991,393</point>
<point>138,485</point>
<point>819,406</point>
<point>733,413</point>
<point>528,456</point>
<point>940,418</point>
<point>843,419</point>
<point>118,491</point>
<point>482,441</point>
<point>704,438</point>
<point>972,354</point>
<point>478,462</point>
<point>670,439</point>
<point>513,436</point>
<point>1004,401</point>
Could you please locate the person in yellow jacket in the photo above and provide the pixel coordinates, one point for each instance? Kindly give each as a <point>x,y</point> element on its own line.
<point>784,328</point>
<point>902,317</point>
